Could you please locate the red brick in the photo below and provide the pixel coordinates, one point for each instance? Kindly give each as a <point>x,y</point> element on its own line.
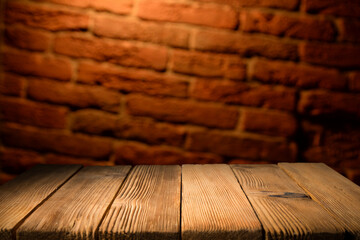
<point>235,68</point>
<point>93,121</point>
<point>53,19</point>
<point>339,146</point>
<point>55,141</point>
<point>115,6</point>
<point>246,161</point>
<point>244,44</point>
<point>201,158</point>
<point>32,113</point>
<point>5,177</point>
<point>202,64</point>
<point>181,111</point>
<point>59,159</point>
<point>336,55</point>
<point>319,102</point>
<point>244,94</point>
<point>334,155</point>
<point>208,65</point>
<point>18,160</point>
<point>342,143</point>
<point>348,8</point>
<point>149,131</point>
<point>291,74</point>
<point>118,52</point>
<point>233,3</point>
<point>217,41</point>
<point>317,154</point>
<point>74,95</point>
<point>268,122</point>
<point>35,64</point>
<point>353,175</point>
<point>283,25</point>
<point>132,80</point>
<point>312,133</point>
<point>354,81</point>
<point>145,130</point>
<point>349,30</point>
<point>351,163</point>
<point>199,14</point>
<point>140,30</point>
<point>11,84</point>
<point>27,38</point>
<point>242,147</point>
<point>285,4</point>
<point>135,153</point>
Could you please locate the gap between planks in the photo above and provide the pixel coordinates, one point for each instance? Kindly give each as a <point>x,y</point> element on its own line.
<point>214,205</point>
<point>19,189</point>
<point>75,210</point>
<point>148,203</point>
<point>335,193</point>
<point>42,202</point>
<point>112,201</point>
<point>180,216</point>
<point>283,208</point>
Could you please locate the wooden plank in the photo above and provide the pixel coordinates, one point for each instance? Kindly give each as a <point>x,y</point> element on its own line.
<point>147,206</point>
<point>19,197</point>
<point>337,194</point>
<point>284,209</point>
<point>75,210</point>
<point>214,206</point>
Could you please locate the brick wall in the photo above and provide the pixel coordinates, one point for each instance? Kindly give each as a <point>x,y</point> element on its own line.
<point>172,82</point>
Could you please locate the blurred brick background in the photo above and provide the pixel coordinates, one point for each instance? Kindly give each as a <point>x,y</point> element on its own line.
<point>173,82</point>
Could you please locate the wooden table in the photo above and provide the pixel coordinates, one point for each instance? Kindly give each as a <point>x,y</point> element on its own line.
<point>219,201</point>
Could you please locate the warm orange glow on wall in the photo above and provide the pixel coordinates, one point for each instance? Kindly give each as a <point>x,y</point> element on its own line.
<point>170,82</point>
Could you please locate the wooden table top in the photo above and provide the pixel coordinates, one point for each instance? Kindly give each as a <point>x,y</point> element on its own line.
<point>217,201</point>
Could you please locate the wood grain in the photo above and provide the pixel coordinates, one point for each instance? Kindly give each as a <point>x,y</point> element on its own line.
<point>337,194</point>
<point>77,208</point>
<point>284,209</point>
<point>214,206</point>
<point>147,206</point>
<point>19,197</point>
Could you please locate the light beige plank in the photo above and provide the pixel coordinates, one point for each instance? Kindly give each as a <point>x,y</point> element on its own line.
<point>337,194</point>
<point>19,197</point>
<point>147,207</point>
<point>214,206</point>
<point>284,209</point>
<point>76,210</point>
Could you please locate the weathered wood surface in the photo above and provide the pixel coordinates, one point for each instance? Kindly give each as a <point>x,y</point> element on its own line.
<point>75,210</point>
<point>218,201</point>
<point>284,209</point>
<point>337,194</point>
<point>147,206</point>
<point>19,197</point>
<point>214,206</point>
